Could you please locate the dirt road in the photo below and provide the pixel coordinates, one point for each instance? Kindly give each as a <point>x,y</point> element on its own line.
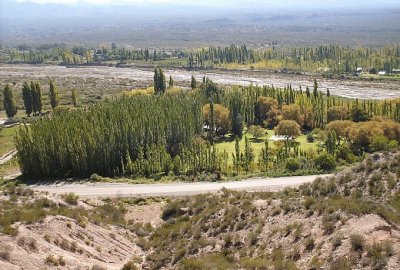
<point>345,88</point>
<point>90,190</point>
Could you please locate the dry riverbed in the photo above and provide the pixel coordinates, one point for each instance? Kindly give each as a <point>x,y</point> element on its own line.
<point>129,78</point>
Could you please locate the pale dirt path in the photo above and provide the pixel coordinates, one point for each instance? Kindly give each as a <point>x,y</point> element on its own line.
<point>90,190</point>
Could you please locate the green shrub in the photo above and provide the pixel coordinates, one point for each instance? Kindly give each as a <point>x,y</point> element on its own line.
<point>130,266</point>
<point>325,162</point>
<point>341,264</point>
<point>171,210</point>
<point>337,241</point>
<point>357,242</point>
<point>70,198</point>
<point>309,244</point>
<point>308,202</point>
<point>292,164</point>
<point>213,261</point>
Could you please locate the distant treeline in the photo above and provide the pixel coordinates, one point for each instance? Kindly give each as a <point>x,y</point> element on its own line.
<point>334,59</point>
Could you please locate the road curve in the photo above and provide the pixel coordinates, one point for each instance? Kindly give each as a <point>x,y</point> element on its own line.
<point>101,190</point>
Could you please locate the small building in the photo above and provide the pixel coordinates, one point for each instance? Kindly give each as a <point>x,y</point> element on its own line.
<point>207,128</point>
<point>396,71</point>
<point>382,73</point>
<point>280,138</point>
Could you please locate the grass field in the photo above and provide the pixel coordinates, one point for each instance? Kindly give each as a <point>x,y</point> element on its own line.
<point>7,142</point>
<point>228,143</point>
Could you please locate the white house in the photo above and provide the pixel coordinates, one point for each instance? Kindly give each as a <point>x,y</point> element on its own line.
<point>382,73</point>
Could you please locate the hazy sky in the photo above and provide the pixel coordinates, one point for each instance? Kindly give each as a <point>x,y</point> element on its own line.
<point>335,3</point>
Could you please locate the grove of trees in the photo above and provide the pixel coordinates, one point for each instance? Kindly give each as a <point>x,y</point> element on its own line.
<point>149,135</point>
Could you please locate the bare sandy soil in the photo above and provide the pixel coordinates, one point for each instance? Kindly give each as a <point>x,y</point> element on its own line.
<point>111,75</point>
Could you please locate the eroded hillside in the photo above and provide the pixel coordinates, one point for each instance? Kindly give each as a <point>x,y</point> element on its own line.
<point>350,221</point>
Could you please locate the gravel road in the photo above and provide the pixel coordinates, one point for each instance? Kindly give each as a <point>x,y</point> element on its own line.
<point>92,190</point>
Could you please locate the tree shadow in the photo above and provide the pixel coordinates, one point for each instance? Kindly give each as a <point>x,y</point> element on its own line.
<point>256,140</point>
<point>225,139</point>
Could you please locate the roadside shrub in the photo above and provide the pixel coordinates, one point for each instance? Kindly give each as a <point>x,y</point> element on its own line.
<point>292,164</point>
<point>171,210</point>
<point>308,202</point>
<point>70,198</point>
<point>325,162</point>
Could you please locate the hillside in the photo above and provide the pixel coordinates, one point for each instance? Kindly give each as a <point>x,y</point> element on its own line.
<point>349,221</point>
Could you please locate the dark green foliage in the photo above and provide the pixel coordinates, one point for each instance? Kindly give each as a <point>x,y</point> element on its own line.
<point>160,85</point>
<point>28,98</point>
<point>74,98</point>
<point>325,162</point>
<point>292,164</point>
<point>357,242</point>
<point>358,114</point>
<point>109,138</point>
<point>53,95</point>
<point>9,102</point>
<point>193,83</point>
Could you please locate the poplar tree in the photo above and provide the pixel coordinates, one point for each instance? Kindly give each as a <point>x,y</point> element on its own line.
<point>74,98</point>
<point>38,97</point>
<point>28,99</point>
<point>315,90</point>
<point>170,82</point>
<point>236,156</point>
<point>156,80</point>
<point>159,81</point>
<point>193,83</point>
<point>9,102</point>
<point>53,95</point>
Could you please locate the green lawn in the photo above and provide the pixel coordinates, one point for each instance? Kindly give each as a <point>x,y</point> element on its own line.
<point>7,142</point>
<point>228,143</point>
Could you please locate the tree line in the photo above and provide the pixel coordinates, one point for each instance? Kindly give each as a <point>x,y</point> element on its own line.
<point>331,59</point>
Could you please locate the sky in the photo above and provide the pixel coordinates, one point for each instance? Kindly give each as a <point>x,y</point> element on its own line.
<point>227,3</point>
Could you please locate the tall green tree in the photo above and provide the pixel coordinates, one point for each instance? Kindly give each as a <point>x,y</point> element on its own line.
<point>53,95</point>
<point>38,97</point>
<point>170,82</point>
<point>74,98</point>
<point>315,88</point>
<point>193,83</point>
<point>28,99</point>
<point>237,156</point>
<point>9,102</point>
<point>159,81</point>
